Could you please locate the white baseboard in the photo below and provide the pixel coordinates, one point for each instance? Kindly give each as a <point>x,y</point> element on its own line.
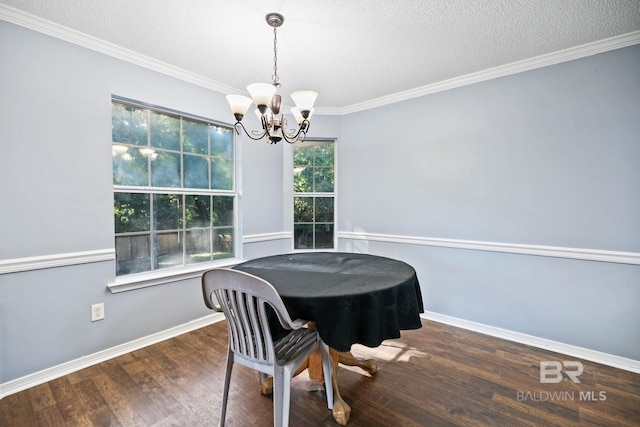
<point>54,372</point>
<point>66,368</point>
<point>543,343</point>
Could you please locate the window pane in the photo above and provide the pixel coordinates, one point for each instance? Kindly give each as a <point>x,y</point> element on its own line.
<point>303,209</point>
<point>303,236</point>
<point>324,155</point>
<point>195,137</point>
<point>131,212</point>
<point>221,174</point>
<point>168,248</point>
<point>323,180</point>
<point>302,179</point>
<point>129,166</point>
<point>159,151</point>
<point>165,131</point>
<point>165,170</point>
<point>324,209</point>
<point>167,211</point>
<point>324,236</point>
<point>197,211</point>
<point>132,254</point>
<point>196,172</point>
<point>303,156</point>
<point>221,142</point>
<point>129,124</point>
<point>222,210</point>
<point>222,243</point>
<point>198,246</point>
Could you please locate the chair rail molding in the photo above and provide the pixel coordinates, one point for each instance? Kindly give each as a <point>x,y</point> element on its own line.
<point>56,260</point>
<point>512,248</point>
<point>265,237</point>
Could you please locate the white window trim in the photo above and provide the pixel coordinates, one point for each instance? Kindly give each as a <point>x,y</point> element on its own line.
<point>289,194</point>
<point>170,275</point>
<point>161,277</point>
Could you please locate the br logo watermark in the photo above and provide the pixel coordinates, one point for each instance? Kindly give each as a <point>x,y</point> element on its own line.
<point>554,372</point>
<point>551,371</point>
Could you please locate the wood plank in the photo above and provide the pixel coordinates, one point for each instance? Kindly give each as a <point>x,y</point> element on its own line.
<point>439,375</point>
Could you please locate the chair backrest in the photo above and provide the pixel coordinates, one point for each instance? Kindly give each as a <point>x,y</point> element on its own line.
<point>243,298</point>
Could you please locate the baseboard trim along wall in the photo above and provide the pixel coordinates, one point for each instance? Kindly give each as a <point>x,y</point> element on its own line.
<point>512,248</point>
<point>54,372</point>
<point>66,368</point>
<point>533,341</point>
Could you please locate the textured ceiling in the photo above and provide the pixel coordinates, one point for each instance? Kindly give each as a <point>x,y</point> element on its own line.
<point>349,51</point>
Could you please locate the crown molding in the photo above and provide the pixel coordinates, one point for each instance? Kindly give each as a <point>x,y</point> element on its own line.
<point>553,58</point>
<point>44,26</point>
<point>35,23</point>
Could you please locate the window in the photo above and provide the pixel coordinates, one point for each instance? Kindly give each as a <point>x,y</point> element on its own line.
<point>174,189</point>
<point>314,195</point>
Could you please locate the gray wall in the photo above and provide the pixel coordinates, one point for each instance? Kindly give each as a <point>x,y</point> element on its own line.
<point>547,157</point>
<point>57,198</point>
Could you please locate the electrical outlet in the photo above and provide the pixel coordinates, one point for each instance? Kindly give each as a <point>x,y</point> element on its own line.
<point>97,312</point>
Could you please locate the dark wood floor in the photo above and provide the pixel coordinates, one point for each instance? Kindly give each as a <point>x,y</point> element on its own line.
<point>438,375</point>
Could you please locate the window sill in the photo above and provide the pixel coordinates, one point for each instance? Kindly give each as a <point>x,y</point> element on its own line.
<point>145,280</point>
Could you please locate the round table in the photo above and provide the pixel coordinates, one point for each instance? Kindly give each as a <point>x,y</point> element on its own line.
<point>351,298</point>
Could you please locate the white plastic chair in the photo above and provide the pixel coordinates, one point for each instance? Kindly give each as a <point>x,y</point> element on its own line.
<point>243,298</point>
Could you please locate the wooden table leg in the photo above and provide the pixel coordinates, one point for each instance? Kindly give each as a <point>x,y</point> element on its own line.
<point>341,409</point>
<point>368,365</point>
<point>266,384</point>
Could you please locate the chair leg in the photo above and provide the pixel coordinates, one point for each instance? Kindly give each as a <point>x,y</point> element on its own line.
<point>225,391</point>
<point>281,395</point>
<point>278,398</point>
<point>327,365</point>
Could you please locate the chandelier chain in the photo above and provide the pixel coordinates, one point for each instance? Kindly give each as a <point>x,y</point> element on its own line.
<point>275,77</point>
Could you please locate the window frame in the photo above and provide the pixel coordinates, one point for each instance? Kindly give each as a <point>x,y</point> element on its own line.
<point>333,194</point>
<point>186,271</point>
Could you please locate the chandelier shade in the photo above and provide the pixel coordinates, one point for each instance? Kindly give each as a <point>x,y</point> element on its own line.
<point>268,102</point>
<point>239,105</point>
<point>261,93</point>
<point>297,114</point>
<point>304,100</point>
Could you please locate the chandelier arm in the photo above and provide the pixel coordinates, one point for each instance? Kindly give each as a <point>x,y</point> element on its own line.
<point>302,130</point>
<point>284,125</point>
<point>257,138</point>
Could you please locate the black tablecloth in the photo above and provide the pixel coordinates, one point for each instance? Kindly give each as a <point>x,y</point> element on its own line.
<point>353,298</point>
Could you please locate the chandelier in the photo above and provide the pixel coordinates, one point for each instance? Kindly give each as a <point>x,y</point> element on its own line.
<point>268,102</point>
